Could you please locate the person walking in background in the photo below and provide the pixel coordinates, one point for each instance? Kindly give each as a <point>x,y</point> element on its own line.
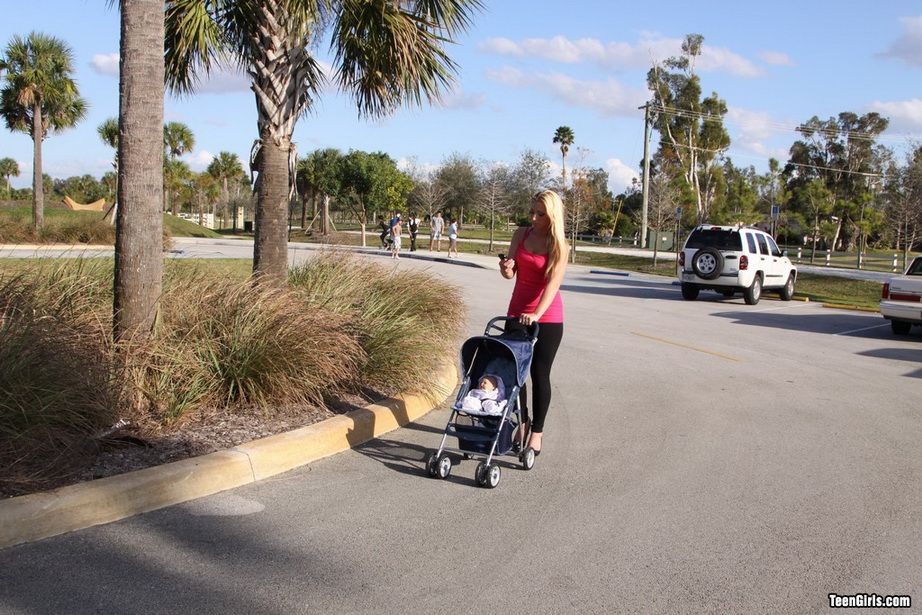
<point>537,260</point>
<point>436,224</point>
<point>452,237</point>
<point>396,230</point>
<point>413,227</point>
<point>385,233</point>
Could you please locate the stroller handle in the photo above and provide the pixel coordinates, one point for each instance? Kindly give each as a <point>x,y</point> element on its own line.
<point>530,330</point>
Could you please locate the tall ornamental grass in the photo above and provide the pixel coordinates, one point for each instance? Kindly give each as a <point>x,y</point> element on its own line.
<point>222,345</point>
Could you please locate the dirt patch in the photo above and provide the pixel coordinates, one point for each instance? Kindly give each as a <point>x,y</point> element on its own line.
<point>125,451</point>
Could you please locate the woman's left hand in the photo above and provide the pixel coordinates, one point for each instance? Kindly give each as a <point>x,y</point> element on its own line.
<point>528,319</point>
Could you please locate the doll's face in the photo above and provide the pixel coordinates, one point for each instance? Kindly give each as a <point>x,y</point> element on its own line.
<point>487,384</point>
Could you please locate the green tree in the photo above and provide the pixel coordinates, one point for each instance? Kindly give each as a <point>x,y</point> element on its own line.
<point>226,167</point>
<point>9,168</point>
<point>692,135</point>
<point>40,97</point>
<point>458,175</point>
<point>108,133</point>
<point>372,183</point>
<point>320,175</point>
<point>139,221</point>
<point>177,140</point>
<point>842,152</point>
<point>563,136</point>
<point>531,173</point>
<point>385,54</point>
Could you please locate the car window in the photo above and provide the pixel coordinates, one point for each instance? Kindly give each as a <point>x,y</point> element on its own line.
<point>752,243</point>
<point>722,239</point>
<point>915,268</point>
<point>763,246</point>
<point>773,246</point>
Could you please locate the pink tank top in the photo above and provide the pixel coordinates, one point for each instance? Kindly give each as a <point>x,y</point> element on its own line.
<point>529,286</point>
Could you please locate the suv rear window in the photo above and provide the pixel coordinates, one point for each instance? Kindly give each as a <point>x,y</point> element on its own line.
<point>721,239</point>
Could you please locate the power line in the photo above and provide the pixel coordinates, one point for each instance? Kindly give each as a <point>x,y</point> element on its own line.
<point>781,127</point>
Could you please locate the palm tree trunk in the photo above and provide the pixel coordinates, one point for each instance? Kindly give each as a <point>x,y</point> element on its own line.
<point>270,249</point>
<point>326,215</point>
<point>139,227</point>
<point>38,186</point>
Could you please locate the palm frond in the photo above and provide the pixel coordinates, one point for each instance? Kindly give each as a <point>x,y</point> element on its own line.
<point>193,41</point>
<point>389,53</point>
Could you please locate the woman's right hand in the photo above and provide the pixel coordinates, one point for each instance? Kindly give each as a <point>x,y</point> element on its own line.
<point>507,267</point>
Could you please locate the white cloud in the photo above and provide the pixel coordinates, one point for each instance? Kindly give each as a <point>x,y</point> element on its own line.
<point>908,47</point>
<point>458,99</point>
<point>608,97</point>
<point>905,115</point>
<point>619,175</point>
<point>223,80</point>
<point>199,159</point>
<point>105,64</point>
<point>618,55</point>
<point>776,58</point>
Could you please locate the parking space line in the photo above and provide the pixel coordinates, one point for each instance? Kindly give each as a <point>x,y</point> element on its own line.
<point>863,329</point>
<point>680,345</point>
<point>774,309</point>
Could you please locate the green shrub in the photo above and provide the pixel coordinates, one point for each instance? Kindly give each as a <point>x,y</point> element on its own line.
<point>222,345</point>
<point>56,388</point>
<point>404,321</point>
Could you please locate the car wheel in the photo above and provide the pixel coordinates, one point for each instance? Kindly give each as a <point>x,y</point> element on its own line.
<point>754,292</point>
<point>708,263</point>
<point>900,327</point>
<point>787,291</point>
<point>689,292</point>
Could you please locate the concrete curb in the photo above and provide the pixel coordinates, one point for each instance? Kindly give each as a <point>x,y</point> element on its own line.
<point>42,515</point>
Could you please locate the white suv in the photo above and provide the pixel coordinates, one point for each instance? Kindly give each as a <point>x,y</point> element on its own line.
<point>733,258</point>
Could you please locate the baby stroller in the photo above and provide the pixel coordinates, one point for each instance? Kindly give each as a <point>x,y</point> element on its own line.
<point>481,435</point>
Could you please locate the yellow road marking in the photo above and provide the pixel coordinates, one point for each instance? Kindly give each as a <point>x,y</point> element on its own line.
<point>710,352</point>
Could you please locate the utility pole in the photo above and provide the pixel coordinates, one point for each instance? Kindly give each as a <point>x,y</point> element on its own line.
<point>646,174</point>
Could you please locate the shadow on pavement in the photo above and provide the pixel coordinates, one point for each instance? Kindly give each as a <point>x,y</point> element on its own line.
<point>829,322</point>
<point>910,355</point>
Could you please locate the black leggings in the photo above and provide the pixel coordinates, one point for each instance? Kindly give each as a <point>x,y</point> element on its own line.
<point>549,337</point>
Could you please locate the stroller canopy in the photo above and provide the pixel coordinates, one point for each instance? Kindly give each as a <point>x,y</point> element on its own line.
<point>510,359</point>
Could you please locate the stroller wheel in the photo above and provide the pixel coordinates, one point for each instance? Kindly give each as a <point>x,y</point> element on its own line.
<point>492,474</point>
<point>443,466</point>
<point>528,458</point>
<point>432,465</point>
<point>479,473</point>
<point>488,475</point>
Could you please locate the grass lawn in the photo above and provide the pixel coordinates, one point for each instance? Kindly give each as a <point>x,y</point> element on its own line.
<point>22,215</point>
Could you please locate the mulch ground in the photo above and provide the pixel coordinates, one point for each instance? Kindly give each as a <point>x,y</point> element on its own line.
<point>126,452</point>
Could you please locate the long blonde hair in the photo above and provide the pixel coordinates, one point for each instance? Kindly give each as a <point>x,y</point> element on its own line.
<point>557,248</point>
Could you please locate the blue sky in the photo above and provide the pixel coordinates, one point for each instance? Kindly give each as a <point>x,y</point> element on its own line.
<point>529,66</point>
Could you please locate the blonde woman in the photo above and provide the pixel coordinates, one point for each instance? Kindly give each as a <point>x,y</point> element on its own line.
<point>537,260</point>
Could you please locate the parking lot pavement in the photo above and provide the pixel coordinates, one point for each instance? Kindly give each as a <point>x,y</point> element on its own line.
<point>699,456</point>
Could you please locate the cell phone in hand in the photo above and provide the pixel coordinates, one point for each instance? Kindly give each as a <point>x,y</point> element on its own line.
<point>502,257</point>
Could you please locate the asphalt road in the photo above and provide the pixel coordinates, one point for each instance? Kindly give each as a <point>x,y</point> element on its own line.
<point>699,456</point>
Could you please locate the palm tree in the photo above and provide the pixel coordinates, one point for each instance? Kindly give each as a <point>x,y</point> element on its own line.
<point>564,136</point>
<point>9,168</point>
<point>226,166</point>
<point>139,227</point>
<point>39,98</point>
<point>177,140</point>
<point>108,133</point>
<point>386,53</point>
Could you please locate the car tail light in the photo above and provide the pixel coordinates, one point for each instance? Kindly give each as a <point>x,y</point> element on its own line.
<point>885,291</point>
<point>682,259</point>
<point>744,262</point>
